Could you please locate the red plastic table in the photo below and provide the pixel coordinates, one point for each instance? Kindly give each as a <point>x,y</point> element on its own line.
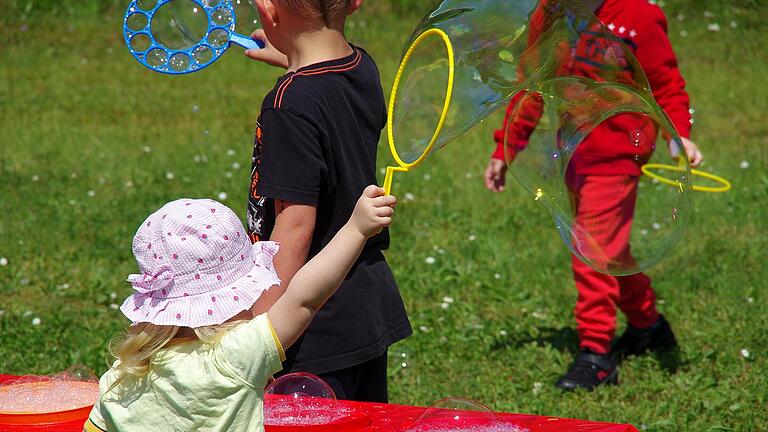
<point>392,418</point>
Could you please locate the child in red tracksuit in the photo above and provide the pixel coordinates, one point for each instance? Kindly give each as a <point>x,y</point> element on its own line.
<point>603,177</point>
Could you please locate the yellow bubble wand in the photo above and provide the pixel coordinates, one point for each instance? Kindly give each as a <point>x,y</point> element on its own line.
<point>651,168</point>
<point>403,166</point>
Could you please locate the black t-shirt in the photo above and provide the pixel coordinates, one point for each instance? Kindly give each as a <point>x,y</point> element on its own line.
<point>316,145</point>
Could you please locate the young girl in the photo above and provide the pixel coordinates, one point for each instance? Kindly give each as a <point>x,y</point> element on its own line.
<point>200,349</point>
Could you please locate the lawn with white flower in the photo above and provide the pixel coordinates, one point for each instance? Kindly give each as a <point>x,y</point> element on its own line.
<point>89,148</point>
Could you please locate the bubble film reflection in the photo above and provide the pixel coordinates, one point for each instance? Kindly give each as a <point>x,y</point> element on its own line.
<point>179,24</point>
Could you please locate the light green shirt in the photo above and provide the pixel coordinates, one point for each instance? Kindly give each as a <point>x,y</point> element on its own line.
<point>195,386</point>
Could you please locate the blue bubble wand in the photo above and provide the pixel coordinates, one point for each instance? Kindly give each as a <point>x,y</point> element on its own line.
<point>147,50</point>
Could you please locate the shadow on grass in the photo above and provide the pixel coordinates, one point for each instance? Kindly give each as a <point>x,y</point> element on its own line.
<point>670,360</point>
<point>562,339</point>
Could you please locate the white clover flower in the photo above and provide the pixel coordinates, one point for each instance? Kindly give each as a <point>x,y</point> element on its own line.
<point>72,202</point>
<point>36,321</point>
<point>447,299</point>
<point>197,159</point>
<point>91,193</point>
<point>73,175</point>
<point>497,276</point>
<point>744,164</point>
<point>222,195</point>
<point>430,260</point>
<point>468,174</point>
<point>235,165</point>
<point>745,353</point>
<point>114,306</point>
<point>714,27</point>
<point>656,226</point>
<point>441,251</point>
<point>63,286</point>
<point>472,237</point>
<point>129,184</point>
<point>230,152</point>
<point>35,178</point>
<point>503,333</point>
<point>228,174</point>
<point>169,175</point>
<point>383,171</point>
<point>537,386</point>
<point>750,300</point>
<point>644,232</point>
<point>680,17</point>
<point>683,33</point>
<point>408,197</point>
<point>427,177</point>
<point>425,329</point>
<point>195,108</point>
<point>2,312</point>
<point>3,261</point>
<point>147,149</point>
<point>708,14</point>
<point>27,313</point>
<point>539,315</point>
<point>734,24</point>
<point>113,295</point>
<point>445,305</point>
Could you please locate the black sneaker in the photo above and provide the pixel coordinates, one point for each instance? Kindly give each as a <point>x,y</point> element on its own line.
<point>657,337</point>
<point>588,371</point>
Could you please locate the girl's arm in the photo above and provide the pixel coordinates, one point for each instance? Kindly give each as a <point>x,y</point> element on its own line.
<point>314,283</point>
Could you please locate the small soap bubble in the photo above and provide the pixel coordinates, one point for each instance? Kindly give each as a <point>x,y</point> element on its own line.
<point>179,62</point>
<point>137,22</point>
<point>146,5</point>
<point>157,57</point>
<point>221,16</point>
<point>140,42</point>
<point>202,54</point>
<point>218,38</point>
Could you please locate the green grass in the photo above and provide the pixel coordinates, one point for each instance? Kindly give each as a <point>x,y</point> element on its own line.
<point>76,113</point>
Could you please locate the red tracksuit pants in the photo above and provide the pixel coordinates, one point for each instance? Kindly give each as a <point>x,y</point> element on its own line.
<point>608,201</point>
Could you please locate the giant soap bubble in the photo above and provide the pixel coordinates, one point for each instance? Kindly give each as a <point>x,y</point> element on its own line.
<point>468,58</point>
<point>580,138</point>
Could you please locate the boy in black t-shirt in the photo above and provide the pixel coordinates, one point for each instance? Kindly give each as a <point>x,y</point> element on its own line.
<point>315,152</point>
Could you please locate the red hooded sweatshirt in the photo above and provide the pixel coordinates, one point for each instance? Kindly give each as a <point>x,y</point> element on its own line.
<point>609,149</point>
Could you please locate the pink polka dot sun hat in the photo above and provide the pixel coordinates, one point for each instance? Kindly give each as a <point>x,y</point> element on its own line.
<point>198,267</point>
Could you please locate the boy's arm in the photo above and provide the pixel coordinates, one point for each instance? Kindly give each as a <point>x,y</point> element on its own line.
<point>269,54</point>
<point>656,56</point>
<point>321,276</point>
<point>294,227</point>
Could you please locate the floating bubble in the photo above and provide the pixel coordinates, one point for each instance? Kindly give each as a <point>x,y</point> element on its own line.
<point>303,400</point>
<point>146,5</point>
<point>218,38</point>
<point>202,54</point>
<point>179,62</point>
<point>140,42</point>
<point>157,57</point>
<point>301,385</point>
<point>454,414</point>
<point>179,24</point>
<point>221,16</point>
<point>137,22</point>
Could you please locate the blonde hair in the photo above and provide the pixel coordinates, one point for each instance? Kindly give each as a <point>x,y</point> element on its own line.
<point>135,349</point>
<point>327,9</point>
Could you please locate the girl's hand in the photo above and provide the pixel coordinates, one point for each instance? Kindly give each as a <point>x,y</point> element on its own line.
<point>495,175</point>
<point>691,150</point>
<point>269,54</point>
<point>373,211</point>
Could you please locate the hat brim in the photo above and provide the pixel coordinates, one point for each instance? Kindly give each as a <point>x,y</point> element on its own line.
<point>214,307</point>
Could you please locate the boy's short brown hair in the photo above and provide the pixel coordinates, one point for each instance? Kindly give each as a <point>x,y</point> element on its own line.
<point>327,9</point>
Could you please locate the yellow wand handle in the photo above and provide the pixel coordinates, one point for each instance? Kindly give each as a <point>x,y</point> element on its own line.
<point>388,178</point>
